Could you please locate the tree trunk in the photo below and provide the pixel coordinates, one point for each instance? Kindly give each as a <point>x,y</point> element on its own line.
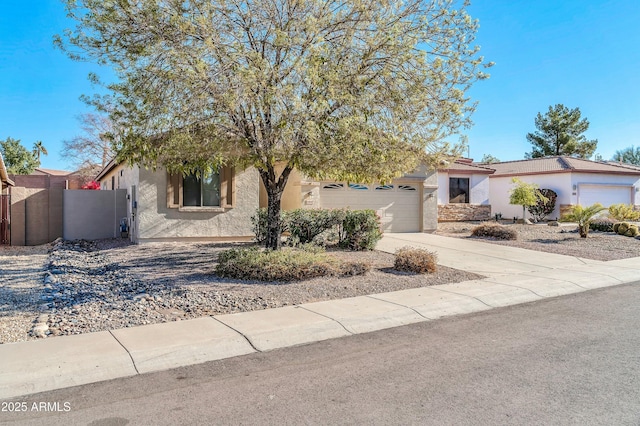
<point>275,188</point>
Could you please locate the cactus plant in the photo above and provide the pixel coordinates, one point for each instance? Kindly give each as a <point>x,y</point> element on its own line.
<point>626,229</point>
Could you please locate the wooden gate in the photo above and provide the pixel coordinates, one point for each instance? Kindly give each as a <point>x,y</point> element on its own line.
<point>5,230</point>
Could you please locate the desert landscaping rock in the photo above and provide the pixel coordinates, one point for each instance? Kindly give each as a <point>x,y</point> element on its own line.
<point>562,239</point>
<point>111,284</point>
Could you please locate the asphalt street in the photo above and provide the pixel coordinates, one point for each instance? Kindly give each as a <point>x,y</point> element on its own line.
<point>568,360</point>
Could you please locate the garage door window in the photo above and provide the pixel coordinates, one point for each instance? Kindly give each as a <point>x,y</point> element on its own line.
<point>459,190</point>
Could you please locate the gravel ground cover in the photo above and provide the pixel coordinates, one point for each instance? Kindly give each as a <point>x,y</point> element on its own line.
<point>79,287</point>
<point>83,287</point>
<point>563,239</point>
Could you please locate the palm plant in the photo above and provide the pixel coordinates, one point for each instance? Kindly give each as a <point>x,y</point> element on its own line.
<point>583,216</point>
<point>38,148</point>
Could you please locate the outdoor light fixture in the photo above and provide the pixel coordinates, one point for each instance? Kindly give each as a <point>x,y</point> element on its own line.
<point>575,187</point>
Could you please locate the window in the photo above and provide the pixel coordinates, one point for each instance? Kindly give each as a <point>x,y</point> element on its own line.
<point>406,188</point>
<point>384,187</point>
<point>458,190</point>
<point>333,186</point>
<point>215,190</point>
<point>358,186</point>
<point>201,191</point>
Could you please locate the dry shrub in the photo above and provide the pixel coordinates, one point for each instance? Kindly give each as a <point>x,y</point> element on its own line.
<point>494,230</point>
<point>602,224</point>
<point>419,261</point>
<point>288,264</point>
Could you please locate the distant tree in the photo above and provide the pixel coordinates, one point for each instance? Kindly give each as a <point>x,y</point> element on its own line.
<point>489,159</point>
<point>38,148</point>
<point>525,194</point>
<point>356,90</point>
<point>629,155</point>
<point>18,159</point>
<point>92,150</point>
<point>560,132</point>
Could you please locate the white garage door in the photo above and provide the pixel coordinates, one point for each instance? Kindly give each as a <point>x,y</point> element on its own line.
<point>603,194</point>
<point>397,205</point>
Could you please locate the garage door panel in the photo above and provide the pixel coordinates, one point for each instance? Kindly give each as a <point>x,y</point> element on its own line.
<point>398,209</point>
<point>603,194</point>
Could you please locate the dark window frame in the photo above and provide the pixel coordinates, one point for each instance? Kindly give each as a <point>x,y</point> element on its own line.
<point>459,190</point>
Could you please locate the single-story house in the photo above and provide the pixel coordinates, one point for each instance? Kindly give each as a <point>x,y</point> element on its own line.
<point>218,207</point>
<point>463,191</point>
<point>575,180</point>
<point>5,202</point>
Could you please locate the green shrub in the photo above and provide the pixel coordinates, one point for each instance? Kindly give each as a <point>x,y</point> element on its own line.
<point>494,230</point>
<point>308,226</point>
<point>259,224</point>
<point>360,230</point>
<point>624,212</point>
<point>602,224</point>
<point>287,264</point>
<point>419,261</point>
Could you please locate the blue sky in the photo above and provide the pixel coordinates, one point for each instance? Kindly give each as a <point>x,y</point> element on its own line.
<point>579,53</point>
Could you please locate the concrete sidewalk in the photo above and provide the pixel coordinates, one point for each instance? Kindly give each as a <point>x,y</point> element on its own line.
<point>514,276</point>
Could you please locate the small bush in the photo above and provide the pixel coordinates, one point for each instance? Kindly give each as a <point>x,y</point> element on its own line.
<point>602,224</point>
<point>308,226</point>
<point>624,212</point>
<point>494,230</point>
<point>259,224</point>
<point>360,230</point>
<point>287,264</point>
<point>419,261</point>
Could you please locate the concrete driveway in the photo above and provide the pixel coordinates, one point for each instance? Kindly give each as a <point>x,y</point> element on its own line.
<point>482,258</point>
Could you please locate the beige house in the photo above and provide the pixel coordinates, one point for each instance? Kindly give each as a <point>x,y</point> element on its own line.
<point>463,191</point>
<point>218,207</point>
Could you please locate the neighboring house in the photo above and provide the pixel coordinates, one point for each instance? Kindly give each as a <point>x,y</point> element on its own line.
<point>163,207</point>
<point>5,202</point>
<point>463,191</point>
<point>576,181</point>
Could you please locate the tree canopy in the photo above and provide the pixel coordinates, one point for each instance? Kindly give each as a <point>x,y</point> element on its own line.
<point>357,90</point>
<point>560,132</point>
<point>91,151</point>
<point>489,159</point>
<point>525,194</point>
<point>18,159</point>
<point>630,155</point>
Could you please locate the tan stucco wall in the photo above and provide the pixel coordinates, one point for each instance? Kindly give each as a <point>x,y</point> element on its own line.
<point>155,221</point>
<point>292,195</point>
<point>36,209</point>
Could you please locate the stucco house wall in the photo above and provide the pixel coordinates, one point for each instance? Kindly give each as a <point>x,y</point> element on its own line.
<point>500,190</point>
<point>478,188</point>
<point>157,222</point>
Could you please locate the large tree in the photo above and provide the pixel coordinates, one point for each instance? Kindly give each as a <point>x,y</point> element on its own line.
<point>18,159</point>
<point>91,151</point>
<point>630,155</point>
<point>560,132</point>
<point>349,90</point>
